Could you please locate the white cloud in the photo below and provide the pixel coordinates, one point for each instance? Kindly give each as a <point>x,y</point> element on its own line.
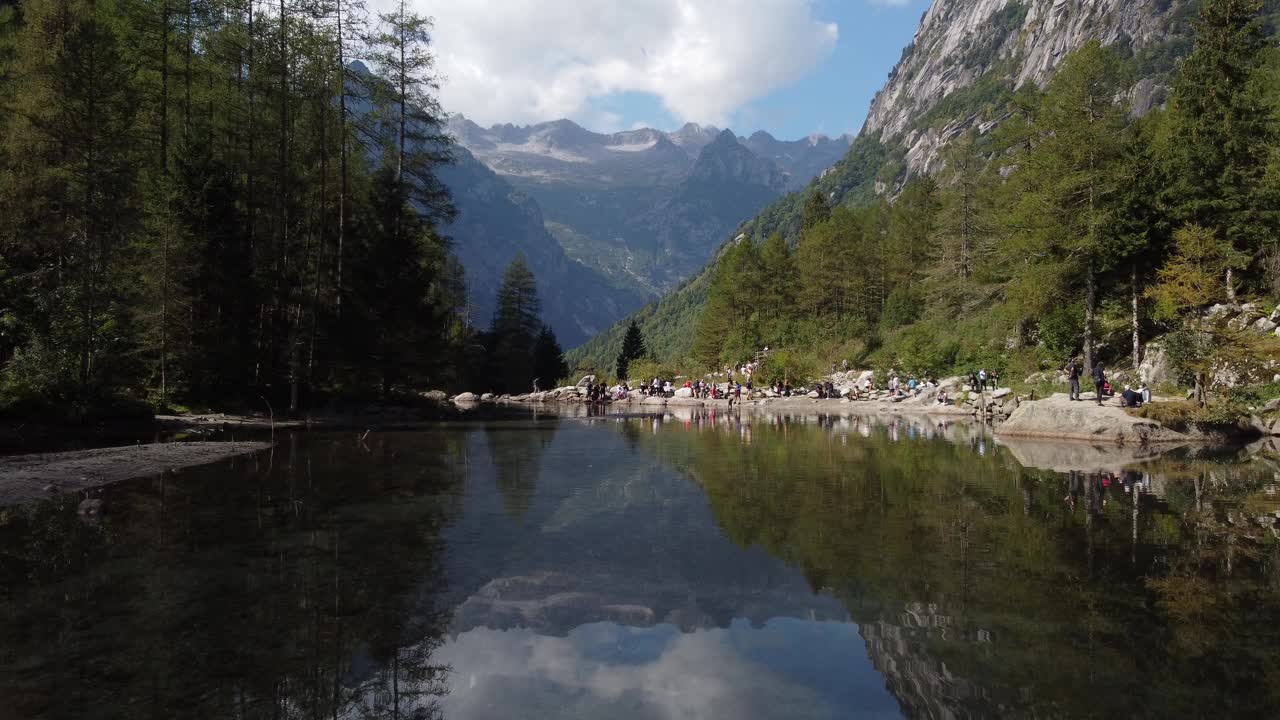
<point>704,674</point>
<point>532,60</point>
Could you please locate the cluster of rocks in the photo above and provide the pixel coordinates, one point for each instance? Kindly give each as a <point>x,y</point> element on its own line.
<point>1249,316</point>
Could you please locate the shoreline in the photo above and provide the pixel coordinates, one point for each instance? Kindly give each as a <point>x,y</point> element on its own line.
<point>31,478</point>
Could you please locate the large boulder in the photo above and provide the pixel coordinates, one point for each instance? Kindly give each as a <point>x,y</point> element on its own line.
<point>1222,312</point>
<point>586,380</point>
<point>1154,368</point>
<point>1265,325</point>
<point>1058,417</point>
<point>684,392</point>
<point>864,376</point>
<point>465,398</point>
<point>438,396</point>
<point>487,397</point>
<point>1002,392</point>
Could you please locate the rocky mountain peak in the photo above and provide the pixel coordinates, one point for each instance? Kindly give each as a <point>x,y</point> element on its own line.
<point>727,160</point>
<point>966,52</point>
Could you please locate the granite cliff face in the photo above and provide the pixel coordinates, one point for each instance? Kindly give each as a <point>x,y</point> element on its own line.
<point>966,52</point>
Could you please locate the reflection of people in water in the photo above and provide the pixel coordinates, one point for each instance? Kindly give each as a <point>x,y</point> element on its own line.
<point>1073,489</point>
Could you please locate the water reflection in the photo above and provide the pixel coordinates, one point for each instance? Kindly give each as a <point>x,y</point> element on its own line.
<point>684,564</point>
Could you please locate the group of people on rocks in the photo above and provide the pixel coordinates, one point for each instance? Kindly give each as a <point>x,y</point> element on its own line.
<point>1129,397</point>
<point>980,379</point>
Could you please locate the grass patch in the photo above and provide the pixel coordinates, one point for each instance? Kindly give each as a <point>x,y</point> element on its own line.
<point>1184,416</point>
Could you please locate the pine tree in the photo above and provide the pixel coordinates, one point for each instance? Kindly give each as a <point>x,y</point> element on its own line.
<point>912,220</point>
<point>516,326</point>
<point>72,203</point>
<point>816,210</point>
<point>632,349</point>
<point>548,359</point>
<point>730,304</point>
<point>1068,185</point>
<point>964,212</point>
<point>416,144</point>
<point>1223,132</point>
<point>777,281</point>
<point>830,263</point>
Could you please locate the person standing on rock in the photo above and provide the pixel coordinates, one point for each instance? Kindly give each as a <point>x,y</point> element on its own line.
<point>1073,379</point>
<point>1099,380</point>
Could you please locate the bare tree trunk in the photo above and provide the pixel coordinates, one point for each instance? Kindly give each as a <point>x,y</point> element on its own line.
<point>403,99</point>
<point>164,312</point>
<point>186,101</point>
<point>1090,311</point>
<point>1231,285</point>
<point>251,196</point>
<point>164,88</point>
<point>1137,337</point>
<point>342,129</point>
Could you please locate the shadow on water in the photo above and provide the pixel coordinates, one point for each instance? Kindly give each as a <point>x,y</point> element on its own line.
<point>297,583</point>
<point>682,564</point>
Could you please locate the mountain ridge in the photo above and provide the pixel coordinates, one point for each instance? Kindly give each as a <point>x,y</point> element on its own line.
<point>643,207</point>
<point>960,72</point>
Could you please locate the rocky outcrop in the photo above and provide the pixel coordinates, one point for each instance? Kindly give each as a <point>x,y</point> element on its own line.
<point>960,42</point>
<point>1059,418</point>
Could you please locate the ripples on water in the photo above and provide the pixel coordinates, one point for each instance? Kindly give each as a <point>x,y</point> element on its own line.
<point>655,567</point>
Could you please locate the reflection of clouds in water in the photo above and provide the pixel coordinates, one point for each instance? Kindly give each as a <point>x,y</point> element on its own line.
<point>607,670</point>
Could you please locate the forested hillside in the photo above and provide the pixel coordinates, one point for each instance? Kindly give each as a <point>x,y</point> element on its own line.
<point>1055,220</point>
<point>209,202</point>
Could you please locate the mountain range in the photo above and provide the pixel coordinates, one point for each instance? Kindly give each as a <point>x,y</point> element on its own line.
<point>960,72</point>
<point>607,222</point>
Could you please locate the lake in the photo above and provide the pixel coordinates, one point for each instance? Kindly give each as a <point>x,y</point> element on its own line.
<point>694,566</point>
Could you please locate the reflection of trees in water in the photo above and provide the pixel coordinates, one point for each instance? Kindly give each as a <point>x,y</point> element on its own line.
<point>981,592</point>
<point>516,452</point>
<point>300,585</point>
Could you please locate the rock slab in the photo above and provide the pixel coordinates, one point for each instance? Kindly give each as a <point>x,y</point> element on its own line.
<point>32,478</point>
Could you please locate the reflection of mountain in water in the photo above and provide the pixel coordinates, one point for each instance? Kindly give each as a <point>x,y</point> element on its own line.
<point>609,535</point>
<point>981,591</point>
<point>925,686</point>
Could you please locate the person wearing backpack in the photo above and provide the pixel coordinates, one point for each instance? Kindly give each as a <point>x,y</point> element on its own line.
<point>1073,379</point>
<point>1099,381</point>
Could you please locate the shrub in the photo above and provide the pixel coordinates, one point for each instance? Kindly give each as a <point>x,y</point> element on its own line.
<point>644,369</point>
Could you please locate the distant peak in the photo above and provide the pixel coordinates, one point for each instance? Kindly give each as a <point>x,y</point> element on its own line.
<point>761,135</point>
<point>566,124</point>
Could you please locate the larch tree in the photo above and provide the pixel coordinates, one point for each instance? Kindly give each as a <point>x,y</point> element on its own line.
<point>1067,189</point>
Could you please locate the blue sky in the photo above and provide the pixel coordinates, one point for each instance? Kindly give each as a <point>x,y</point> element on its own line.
<point>791,67</point>
<point>832,98</point>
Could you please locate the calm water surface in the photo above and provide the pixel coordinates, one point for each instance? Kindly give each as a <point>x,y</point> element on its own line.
<point>677,567</point>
